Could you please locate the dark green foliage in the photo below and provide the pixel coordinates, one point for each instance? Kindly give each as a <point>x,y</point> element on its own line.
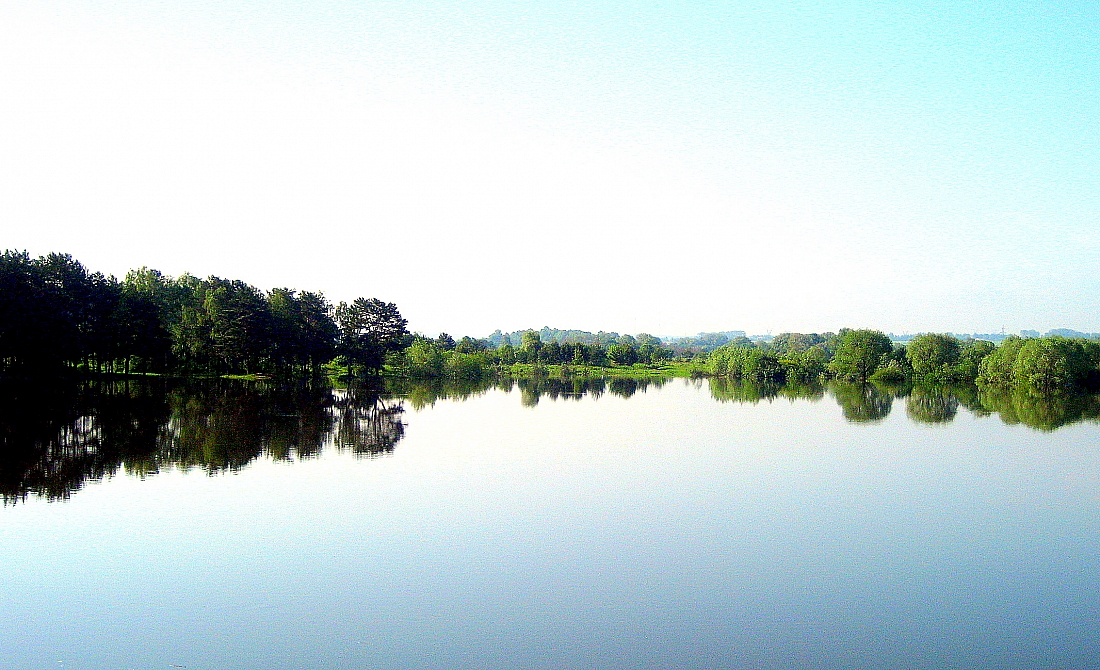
<point>56,436</point>
<point>807,364</point>
<point>794,344</point>
<point>891,373</point>
<point>506,354</point>
<point>369,329</point>
<point>468,345</point>
<point>55,314</point>
<point>1042,410</point>
<point>303,333</point>
<point>445,342</point>
<point>970,359</point>
<point>239,324</point>
<point>937,358</point>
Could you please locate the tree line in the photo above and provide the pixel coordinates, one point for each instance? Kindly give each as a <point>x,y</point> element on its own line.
<point>54,313</point>
<point>1040,363</point>
<point>471,358</point>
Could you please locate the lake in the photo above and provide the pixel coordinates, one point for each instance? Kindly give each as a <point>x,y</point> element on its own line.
<point>543,524</point>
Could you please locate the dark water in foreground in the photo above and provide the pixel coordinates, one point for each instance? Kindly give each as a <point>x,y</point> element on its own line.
<point>621,524</point>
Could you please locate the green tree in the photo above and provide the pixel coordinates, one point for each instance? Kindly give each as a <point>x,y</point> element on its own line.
<point>318,331</point>
<point>622,354</point>
<point>970,359</point>
<point>423,359</point>
<point>996,368</point>
<point>469,345</point>
<point>507,353</point>
<point>531,342</point>
<point>862,403</point>
<point>859,353</point>
<point>445,342</point>
<point>368,330</point>
<point>933,355</point>
<point>239,324</point>
<point>1051,362</point>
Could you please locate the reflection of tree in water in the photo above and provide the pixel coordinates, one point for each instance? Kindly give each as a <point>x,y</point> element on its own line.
<point>738,391</point>
<point>862,403</point>
<point>54,438</point>
<point>746,391</point>
<point>423,393</point>
<point>368,425</point>
<point>224,425</point>
<point>623,387</point>
<point>931,405</point>
<point>1042,411</point>
<point>532,389</point>
<point>969,397</point>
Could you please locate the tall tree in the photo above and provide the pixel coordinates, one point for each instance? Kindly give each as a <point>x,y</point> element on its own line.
<point>369,328</point>
<point>239,324</point>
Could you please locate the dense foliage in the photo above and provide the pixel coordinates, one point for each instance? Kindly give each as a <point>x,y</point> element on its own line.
<point>54,313</point>
<point>1042,363</point>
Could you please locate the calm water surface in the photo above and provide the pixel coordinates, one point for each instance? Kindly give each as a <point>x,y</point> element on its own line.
<point>684,525</point>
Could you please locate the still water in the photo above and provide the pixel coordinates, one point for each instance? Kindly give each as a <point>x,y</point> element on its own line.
<point>687,524</point>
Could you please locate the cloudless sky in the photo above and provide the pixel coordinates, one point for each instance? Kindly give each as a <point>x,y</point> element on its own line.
<point>661,167</point>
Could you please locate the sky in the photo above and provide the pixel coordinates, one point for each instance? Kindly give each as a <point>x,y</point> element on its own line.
<point>651,167</point>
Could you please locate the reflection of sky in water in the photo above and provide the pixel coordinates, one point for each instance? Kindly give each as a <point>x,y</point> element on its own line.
<point>667,530</point>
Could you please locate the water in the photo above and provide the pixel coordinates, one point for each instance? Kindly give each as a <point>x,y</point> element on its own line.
<point>685,524</point>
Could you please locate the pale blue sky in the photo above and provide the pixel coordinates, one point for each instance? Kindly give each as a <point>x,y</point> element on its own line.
<point>666,167</point>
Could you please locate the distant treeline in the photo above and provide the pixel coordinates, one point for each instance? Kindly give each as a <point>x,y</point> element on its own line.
<point>471,358</point>
<point>680,346</point>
